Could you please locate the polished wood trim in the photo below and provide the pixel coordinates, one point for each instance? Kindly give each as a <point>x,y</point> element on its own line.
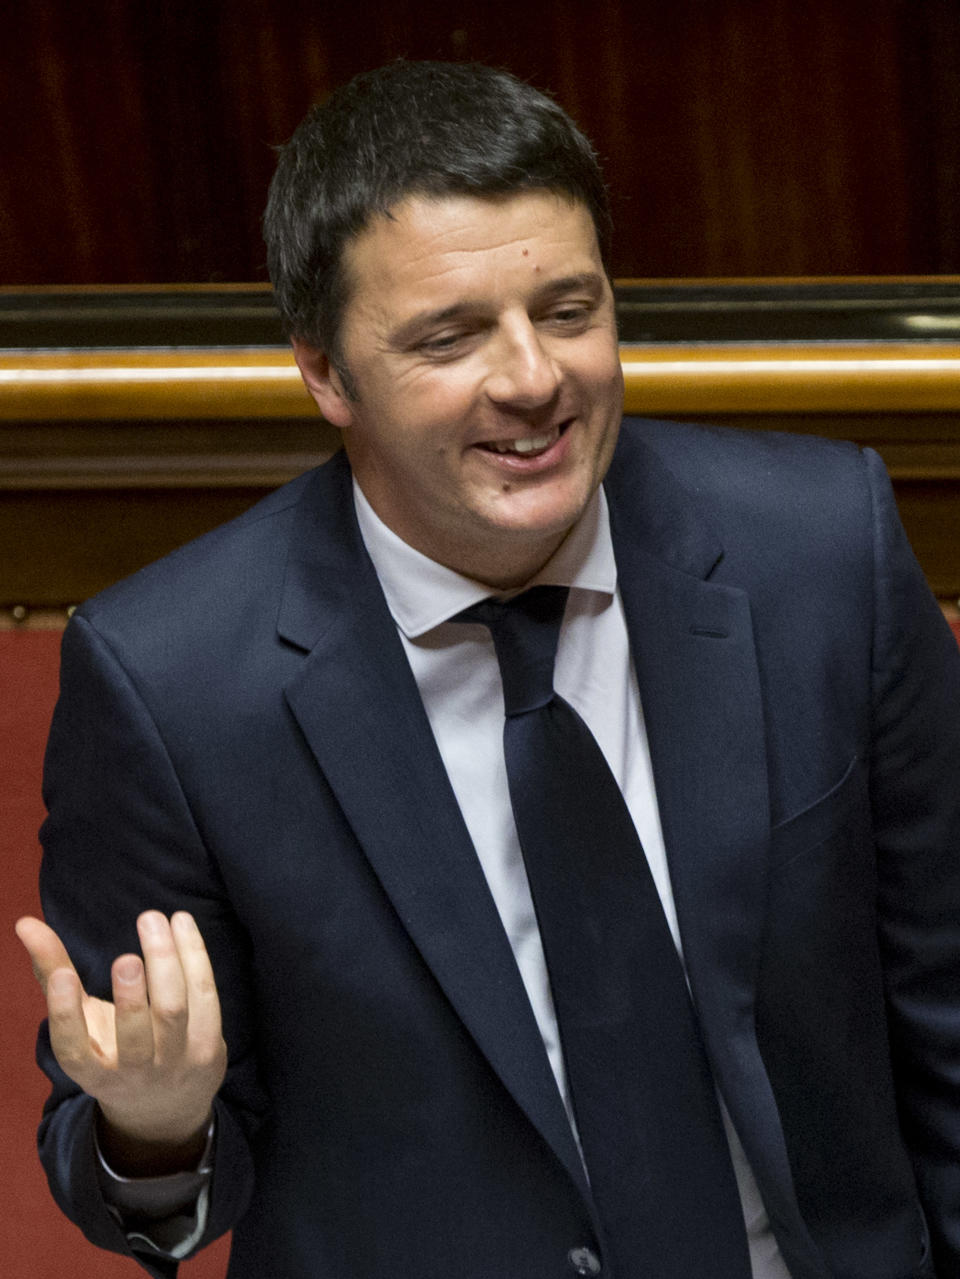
<point>21,618</point>
<point>760,281</point>
<point>682,379</point>
<point>159,385</point>
<point>239,286</point>
<point>792,378</point>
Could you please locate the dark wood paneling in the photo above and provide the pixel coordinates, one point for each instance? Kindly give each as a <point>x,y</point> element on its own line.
<point>743,137</point>
<point>62,545</point>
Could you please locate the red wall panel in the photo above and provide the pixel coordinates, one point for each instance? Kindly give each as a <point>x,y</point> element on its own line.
<point>36,1241</point>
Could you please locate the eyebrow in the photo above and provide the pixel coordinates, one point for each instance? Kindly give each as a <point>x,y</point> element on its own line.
<point>589,281</point>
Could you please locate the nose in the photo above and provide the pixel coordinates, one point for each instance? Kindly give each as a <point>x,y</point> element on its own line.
<point>523,373</point>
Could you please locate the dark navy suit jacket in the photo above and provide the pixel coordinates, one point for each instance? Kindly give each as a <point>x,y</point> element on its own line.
<point>239,734</point>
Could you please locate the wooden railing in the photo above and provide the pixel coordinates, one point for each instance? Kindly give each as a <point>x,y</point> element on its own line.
<point>117,442</point>
<point>229,384</point>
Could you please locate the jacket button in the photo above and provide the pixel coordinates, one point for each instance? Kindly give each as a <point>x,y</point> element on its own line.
<point>584,1261</point>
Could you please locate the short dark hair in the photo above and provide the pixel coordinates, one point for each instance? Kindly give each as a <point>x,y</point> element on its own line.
<point>409,128</point>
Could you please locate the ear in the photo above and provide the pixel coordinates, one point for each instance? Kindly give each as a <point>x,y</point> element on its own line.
<point>323,382</point>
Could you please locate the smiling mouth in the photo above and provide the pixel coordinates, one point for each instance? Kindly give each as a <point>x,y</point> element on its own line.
<point>527,445</point>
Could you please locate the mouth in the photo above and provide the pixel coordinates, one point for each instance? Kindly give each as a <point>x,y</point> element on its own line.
<point>527,445</point>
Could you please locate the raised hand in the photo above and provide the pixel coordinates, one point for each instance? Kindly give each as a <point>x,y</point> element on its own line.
<point>155,1057</point>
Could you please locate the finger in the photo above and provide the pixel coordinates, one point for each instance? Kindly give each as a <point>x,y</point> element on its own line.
<point>205,1029</point>
<point>166,985</point>
<point>81,1049</point>
<point>47,952</point>
<point>69,1035</point>
<point>134,1023</point>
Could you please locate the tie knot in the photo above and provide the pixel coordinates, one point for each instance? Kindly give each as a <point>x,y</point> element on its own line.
<point>525,631</point>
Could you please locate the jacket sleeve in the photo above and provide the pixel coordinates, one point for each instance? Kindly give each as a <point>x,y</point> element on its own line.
<point>119,839</point>
<point>915,798</point>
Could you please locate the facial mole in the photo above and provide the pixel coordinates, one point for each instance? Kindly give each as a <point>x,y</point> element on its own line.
<point>505,486</point>
<point>526,253</point>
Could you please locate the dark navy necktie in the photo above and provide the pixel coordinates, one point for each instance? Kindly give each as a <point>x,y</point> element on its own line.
<point>643,1095</point>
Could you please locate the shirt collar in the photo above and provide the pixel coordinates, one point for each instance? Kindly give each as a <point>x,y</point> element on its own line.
<point>421,593</point>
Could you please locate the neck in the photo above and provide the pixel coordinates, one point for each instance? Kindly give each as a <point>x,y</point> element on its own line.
<point>512,568</point>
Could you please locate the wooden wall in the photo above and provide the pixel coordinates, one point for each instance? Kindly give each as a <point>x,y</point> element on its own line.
<point>124,434</point>
<point>742,137</point>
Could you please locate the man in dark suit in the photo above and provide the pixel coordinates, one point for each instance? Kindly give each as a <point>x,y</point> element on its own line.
<point>279,752</point>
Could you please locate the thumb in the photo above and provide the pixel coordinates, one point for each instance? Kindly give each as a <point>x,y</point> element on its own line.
<point>47,952</point>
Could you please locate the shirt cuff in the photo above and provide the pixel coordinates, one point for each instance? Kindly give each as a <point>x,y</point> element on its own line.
<point>165,1216</point>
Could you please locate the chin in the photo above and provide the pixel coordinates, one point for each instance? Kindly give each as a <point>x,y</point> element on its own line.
<point>545,518</point>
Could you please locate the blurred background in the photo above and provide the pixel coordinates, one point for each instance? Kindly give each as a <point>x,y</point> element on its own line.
<point>740,137</point>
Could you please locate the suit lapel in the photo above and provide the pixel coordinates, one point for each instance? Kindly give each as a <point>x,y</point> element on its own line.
<point>693,650</point>
<point>359,708</point>
<point>692,642</point>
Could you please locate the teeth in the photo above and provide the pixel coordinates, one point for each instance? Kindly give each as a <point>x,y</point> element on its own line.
<point>531,444</point>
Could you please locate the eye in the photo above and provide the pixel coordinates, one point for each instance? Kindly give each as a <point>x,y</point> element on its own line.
<point>450,344</point>
<point>569,315</point>
<point>441,344</point>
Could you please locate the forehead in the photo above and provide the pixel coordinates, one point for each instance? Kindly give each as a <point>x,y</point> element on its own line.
<point>475,244</point>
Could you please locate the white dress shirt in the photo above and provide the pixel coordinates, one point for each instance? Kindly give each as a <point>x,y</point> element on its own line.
<point>458,676</point>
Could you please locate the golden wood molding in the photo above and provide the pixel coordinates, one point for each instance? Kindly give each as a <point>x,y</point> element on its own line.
<point>226,384</point>
<point>158,385</point>
<point>22,619</point>
<point>792,378</point>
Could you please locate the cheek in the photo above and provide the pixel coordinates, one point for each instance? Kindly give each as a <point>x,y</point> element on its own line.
<point>445,393</point>
<point>602,362</point>
<point>611,372</point>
